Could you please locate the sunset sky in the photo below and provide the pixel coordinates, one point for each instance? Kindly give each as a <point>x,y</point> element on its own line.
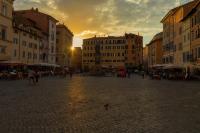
<point>87,18</point>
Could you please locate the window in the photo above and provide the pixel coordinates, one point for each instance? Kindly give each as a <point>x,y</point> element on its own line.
<point>15,41</point>
<point>196,53</point>
<point>52,49</point>
<point>163,60</point>
<point>34,56</point>
<point>171,59</point>
<point>29,55</point>
<point>24,34</point>
<point>24,54</point>
<point>30,45</point>
<point>2,50</point>
<point>180,30</point>
<point>192,22</point>
<point>180,46</point>
<point>35,37</point>
<point>3,33</point>
<point>199,52</point>
<point>35,46</point>
<point>184,38</point>
<point>184,57</point>
<point>24,43</point>
<point>192,36</point>
<point>196,36</point>
<point>15,53</point>
<point>4,9</point>
<point>188,36</point>
<point>52,36</point>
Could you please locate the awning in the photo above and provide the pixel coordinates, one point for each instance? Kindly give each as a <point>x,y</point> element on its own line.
<point>158,66</point>
<point>46,64</point>
<point>196,66</point>
<point>171,66</point>
<point>11,63</point>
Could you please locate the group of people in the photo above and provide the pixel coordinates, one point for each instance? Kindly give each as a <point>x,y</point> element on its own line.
<point>33,76</point>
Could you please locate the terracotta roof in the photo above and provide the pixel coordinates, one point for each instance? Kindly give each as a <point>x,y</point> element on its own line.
<point>18,20</point>
<point>156,37</point>
<point>36,11</point>
<point>186,9</point>
<point>108,37</point>
<point>63,26</point>
<point>189,12</point>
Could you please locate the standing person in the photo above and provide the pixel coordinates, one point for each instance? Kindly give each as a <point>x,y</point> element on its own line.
<point>129,73</point>
<point>70,73</point>
<point>37,75</point>
<point>52,73</point>
<point>143,75</point>
<point>31,76</point>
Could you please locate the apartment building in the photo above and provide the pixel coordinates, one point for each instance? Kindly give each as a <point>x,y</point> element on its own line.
<point>112,51</point>
<point>47,24</point>
<point>194,18</point>
<point>145,57</point>
<point>155,52</point>
<point>173,33</point>
<point>134,50</point>
<point>27,41</point>
<point>186,41</point>
<point>6,36</point>
<point>64,39</point>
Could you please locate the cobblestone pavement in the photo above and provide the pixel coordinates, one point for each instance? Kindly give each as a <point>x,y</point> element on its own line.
<point>135,105</point>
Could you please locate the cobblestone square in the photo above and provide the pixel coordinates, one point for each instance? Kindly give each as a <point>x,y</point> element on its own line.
<point>77,105</point>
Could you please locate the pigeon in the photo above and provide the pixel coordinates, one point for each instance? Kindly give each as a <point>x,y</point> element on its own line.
<point>106,106</point>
